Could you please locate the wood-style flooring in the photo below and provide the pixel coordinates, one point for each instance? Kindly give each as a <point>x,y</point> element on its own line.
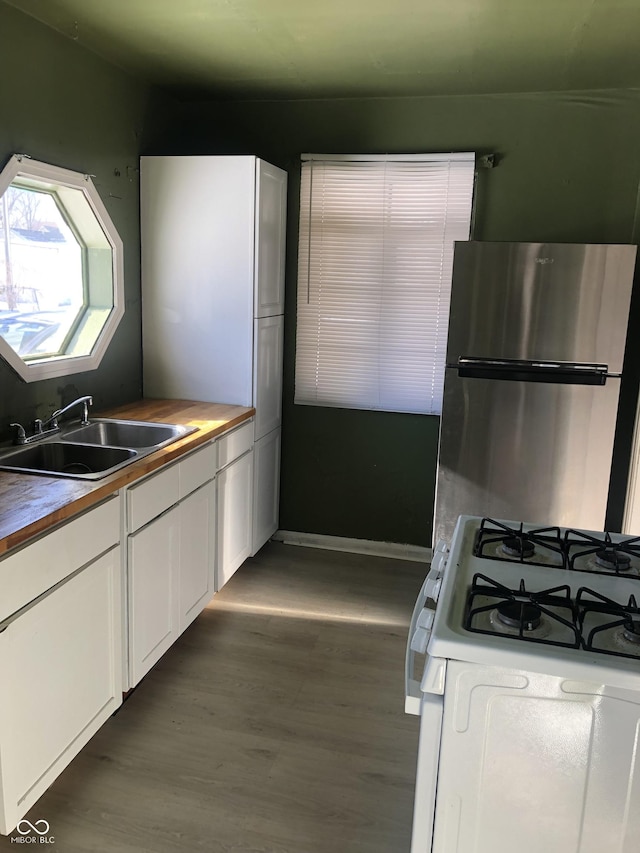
<point>275,724</point>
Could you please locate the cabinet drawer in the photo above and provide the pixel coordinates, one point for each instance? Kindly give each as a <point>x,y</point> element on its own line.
<point>197,468</point>
<point>40,564</point>
<point>152,496</point>
<point>234,444</point>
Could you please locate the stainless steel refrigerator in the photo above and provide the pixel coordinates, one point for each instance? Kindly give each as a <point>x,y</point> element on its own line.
<point>534,357</point>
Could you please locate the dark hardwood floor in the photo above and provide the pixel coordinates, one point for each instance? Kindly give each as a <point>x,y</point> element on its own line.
<point>274,725</point>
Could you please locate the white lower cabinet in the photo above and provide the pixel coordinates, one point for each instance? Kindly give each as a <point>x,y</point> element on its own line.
<point>153,558</point>
<point>61,677</point>
<point>266,488</point>
<point>235,508</point>
<point>197,553</point>
<point>73,637</point>
<point>171,558</point>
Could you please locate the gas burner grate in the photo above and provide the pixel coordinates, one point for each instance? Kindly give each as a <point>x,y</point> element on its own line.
<point>606,626</point>
<point>525,610</point>
<point>609,557</point>
<point>549,548</point>
<point>498,541</point>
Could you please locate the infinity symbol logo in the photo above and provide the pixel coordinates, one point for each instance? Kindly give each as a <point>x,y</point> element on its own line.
<point>33,827</point>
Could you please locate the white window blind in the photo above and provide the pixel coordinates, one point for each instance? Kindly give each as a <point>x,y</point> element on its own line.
<point>374,278</point>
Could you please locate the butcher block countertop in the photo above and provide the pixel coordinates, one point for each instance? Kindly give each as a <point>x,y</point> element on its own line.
<point>31,504</point>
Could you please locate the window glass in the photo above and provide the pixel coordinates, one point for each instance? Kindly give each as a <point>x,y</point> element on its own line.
<point>41,282</point>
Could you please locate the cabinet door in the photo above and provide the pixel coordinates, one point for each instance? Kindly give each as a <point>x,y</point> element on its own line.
<point>268,342</point>
<point>197,553</point>
<point>234,531</point>
<point>61,677</point>
<point>271,208</point>
<point>154,554</point>
<point>266,488</point>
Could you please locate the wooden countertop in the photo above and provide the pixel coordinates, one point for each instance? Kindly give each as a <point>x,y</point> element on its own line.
<point>31,503</point>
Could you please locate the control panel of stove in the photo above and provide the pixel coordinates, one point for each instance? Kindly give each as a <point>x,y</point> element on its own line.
<point>421,627</point>
<point>421,631</point>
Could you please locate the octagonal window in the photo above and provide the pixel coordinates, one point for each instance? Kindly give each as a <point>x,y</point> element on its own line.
<point>61,282</point>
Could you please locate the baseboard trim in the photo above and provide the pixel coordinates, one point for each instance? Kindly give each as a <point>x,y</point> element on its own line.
<point>395,550</point>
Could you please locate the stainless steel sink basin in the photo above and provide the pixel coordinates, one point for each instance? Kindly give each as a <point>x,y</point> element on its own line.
<point>92,451</point>
<point>132,434</point>
<point>64,459</point>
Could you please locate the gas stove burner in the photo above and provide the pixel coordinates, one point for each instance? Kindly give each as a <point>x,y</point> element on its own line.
<point>520,615</point>
<point>612,559</point>
<point>631,631</point>
<point>608,627</point>
<point>540,546</point>
<point>590,552</point>
<point>543,616</point>
<point>518,546</point>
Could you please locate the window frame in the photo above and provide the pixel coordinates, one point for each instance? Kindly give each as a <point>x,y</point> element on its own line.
<point>22,168</point>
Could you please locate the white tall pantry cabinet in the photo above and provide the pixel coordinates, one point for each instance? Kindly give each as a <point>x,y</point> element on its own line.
<point>213,239</point>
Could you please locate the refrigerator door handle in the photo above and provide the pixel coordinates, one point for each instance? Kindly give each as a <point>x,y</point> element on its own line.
<point>520,370</point>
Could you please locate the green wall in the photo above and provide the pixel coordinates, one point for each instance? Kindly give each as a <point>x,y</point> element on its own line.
<point>569,166</point>
<point>65,106</point>
<point>568,171</point>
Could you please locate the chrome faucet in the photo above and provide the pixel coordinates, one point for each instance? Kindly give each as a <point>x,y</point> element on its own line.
<point>50,426</point>
<point>52,422</point>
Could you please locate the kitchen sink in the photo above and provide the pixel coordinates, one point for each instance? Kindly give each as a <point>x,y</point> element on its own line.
<point>132,434</point>
<point>65,459</point>
<point>93,450</point>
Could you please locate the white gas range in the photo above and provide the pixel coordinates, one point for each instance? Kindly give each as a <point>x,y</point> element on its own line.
<point>530,693</point>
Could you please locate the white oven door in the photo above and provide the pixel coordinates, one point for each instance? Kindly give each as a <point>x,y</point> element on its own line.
<point>535,763</point>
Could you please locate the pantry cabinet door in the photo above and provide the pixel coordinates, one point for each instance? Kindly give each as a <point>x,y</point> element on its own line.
<point>154,554</point>
<point>268,348</point>
<point>270,227</point>
<point>197,552</point>
<point>61,677</point>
